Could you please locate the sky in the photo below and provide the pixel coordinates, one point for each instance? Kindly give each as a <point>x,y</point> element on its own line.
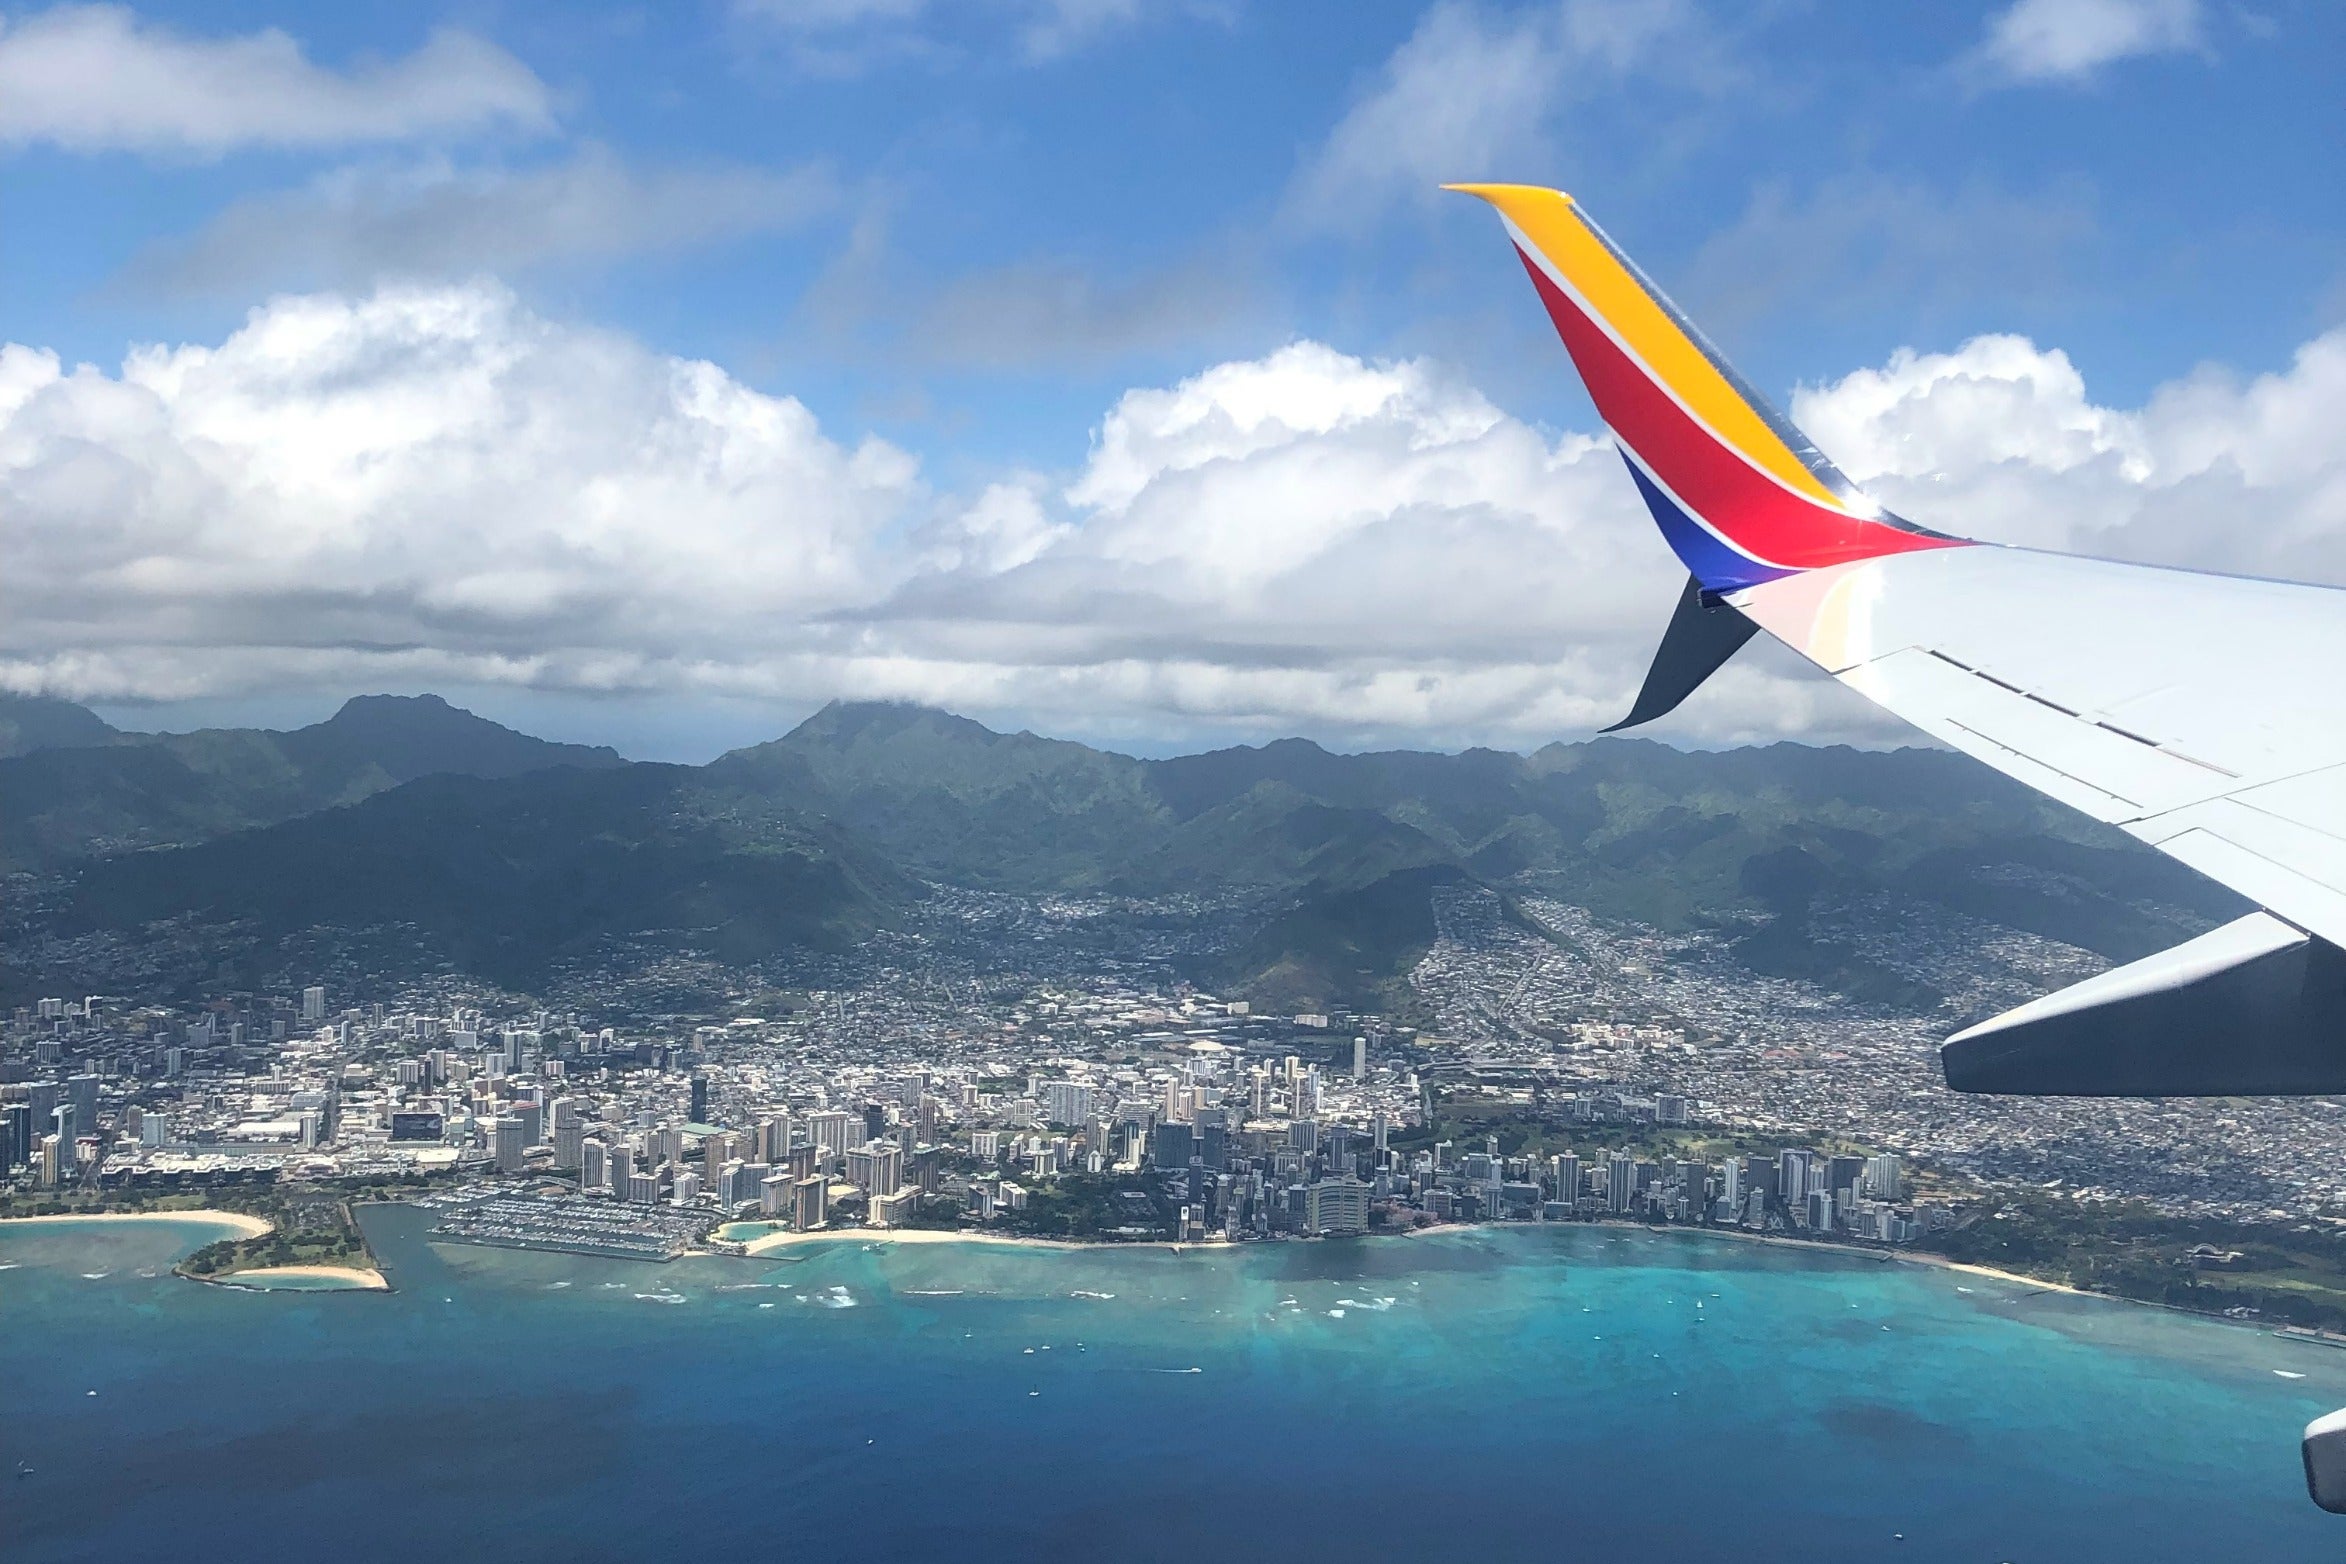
<point>1112,368</point>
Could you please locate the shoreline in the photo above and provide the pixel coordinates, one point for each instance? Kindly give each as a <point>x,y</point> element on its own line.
<point>247,1226</point>
<point>244,1224</point>
<point>774,1243</point>
<point>353,1278</point>
<point>1899,1257</point>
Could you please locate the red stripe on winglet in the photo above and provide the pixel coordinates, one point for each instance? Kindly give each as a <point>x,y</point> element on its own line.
<point>1750,509</point>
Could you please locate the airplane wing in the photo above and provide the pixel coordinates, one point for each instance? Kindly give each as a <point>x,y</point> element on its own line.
<point>2201,714</point>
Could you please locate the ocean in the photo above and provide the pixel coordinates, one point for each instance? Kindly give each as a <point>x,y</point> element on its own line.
<point>1492,1394</point>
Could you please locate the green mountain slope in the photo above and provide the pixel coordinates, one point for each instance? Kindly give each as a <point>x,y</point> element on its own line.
<point>829,829</point>
<point>505,878</point>
<point>145,790</point>
<point>31,722</point>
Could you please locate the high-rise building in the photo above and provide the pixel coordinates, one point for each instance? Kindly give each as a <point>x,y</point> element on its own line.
<point>506,1137</point>
<point>716,1151</point>
<point>593,1169</point>
<point>773,1194</point>
<point>1171,1147</point>
<point>1360,1058</point>
<point>809,1203</point>
<point>82,1092</point>
<point>876,1167</point>
<point>1620,1182</point>
<point>832,1131</point>
<point>569,1134</point>
<point>1792,1177</point>
<point>55,1158</point>
<point>738,1184</point>
<point>1304,1135</point>
<point>16,1136</point>
<point>532,1117</point>
<point>1336,1206</point>
<point>313,1003</point>
<point>686,1188</point>
<point>895,1210</point>
<point>1883,1179</point>
<point>1567,1169</point>
<point>700,1099</point>
<point>774,1138</point>
<point>1065,1102</point>
<point>643,1189</point>
<point>1843,1173</point>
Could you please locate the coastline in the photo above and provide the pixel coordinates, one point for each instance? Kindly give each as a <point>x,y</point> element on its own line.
<point>773,1243</point>
<point>243,1224</point>
<point>247,1226</point>
<point>349,1278</point>
<point>1903,1257</point>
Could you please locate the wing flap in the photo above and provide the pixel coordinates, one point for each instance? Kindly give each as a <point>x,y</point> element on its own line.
<point>2107,774</point>
<point>2254,857</point>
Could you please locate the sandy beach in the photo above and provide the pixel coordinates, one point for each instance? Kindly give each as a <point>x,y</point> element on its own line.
<point>349,1276</point>
<point>2016,1278</point>
<point>773,1242</point>
<point>1901,1256</point>
<point>927,1235</point>
<point>244,1225</point>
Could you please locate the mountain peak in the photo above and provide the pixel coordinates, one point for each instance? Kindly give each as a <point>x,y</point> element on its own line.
<point>413,736</point>
<point>842,723</point>
<point>360,707</point>
<point>30,722</point>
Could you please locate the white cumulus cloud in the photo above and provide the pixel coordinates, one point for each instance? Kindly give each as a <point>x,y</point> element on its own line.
<point>435,485</point>
<point>428,478</point>
<point>2069,40</point>
<point>2001,440</point>
<point>1475,93</point>
<point>94,78</point>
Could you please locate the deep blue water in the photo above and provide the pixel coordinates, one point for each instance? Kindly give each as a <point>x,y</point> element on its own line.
<point>1529,1393</point>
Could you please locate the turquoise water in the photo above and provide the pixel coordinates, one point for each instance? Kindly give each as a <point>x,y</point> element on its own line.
<point>1496,1394</point>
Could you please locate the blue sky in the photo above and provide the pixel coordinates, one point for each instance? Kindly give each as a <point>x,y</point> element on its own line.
<point>967,231</point>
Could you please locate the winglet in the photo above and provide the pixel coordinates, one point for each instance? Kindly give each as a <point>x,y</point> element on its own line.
<point>1703,634</point>
<point>1741,495</point>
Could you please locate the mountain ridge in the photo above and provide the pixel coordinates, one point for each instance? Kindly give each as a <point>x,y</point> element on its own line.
<point>137,790</point>
<point>839,823</point>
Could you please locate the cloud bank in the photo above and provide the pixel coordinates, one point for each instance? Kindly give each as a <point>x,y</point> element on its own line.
<point>93,78</point>
<point>434,485</point>
<point>353,226</point>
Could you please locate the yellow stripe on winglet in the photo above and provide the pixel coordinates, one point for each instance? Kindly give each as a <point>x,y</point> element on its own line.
<point>1549,219</point>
